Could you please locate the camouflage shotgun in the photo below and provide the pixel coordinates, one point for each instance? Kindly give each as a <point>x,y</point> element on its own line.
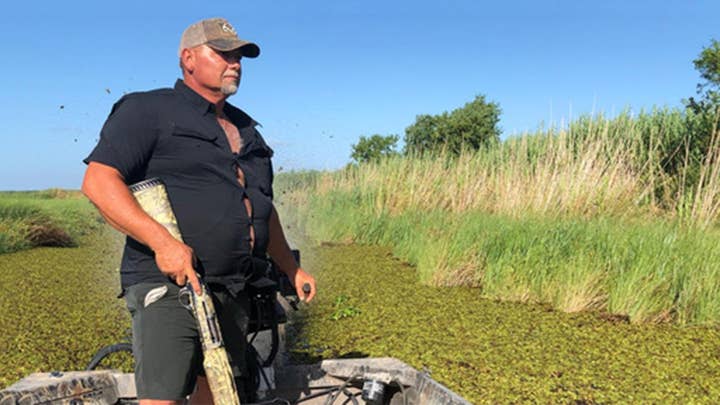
<point>152,197</point>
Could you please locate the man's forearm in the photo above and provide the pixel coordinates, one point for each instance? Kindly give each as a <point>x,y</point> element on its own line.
<point>278,247</point>
<point>106,189</point>
<point>281,254</point>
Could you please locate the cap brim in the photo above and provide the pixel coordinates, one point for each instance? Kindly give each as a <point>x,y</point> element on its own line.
<point>249,49</point>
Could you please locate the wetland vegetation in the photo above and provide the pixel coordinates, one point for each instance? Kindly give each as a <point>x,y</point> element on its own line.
<point>572,265</point>
<point>52,217</point>
<point>57,304</point>
<point>546,269</point>
<point>491,351</point>
<point>590,217</point>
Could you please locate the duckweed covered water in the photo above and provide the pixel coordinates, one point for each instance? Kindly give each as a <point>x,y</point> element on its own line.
<point>58,306</point>
<point>496,352</point>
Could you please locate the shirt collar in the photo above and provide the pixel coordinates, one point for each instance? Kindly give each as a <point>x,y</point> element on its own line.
<point>236,115</point>
<point>202,105</point>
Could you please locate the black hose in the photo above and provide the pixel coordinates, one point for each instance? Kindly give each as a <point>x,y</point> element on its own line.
<point>317,394</point>
<point>106,351</point>
<point>258,321</point>
<point>275,345</point>
<point>274,333</point>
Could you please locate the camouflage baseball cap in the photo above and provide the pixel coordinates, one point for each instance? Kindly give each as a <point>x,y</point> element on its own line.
<point>218,34</point>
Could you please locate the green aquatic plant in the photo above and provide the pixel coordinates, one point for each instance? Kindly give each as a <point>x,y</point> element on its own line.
<point>58,306</point>
<point>343,309</point>
<point>491,351</point>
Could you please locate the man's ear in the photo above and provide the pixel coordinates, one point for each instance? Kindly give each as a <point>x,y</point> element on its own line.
<point>187,57</point>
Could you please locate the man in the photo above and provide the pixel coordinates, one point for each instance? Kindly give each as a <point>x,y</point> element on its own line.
<point>218,175</point>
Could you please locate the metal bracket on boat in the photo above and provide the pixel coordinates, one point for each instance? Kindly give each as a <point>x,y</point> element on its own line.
<point>298,381</point>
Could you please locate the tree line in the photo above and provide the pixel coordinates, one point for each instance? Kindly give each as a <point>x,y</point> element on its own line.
<point>475,125</point>
<point>469,127</point>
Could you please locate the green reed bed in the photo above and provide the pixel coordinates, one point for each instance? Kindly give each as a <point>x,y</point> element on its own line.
<point>649,271</point>
<point>44,218</point>
<point>613,214</point>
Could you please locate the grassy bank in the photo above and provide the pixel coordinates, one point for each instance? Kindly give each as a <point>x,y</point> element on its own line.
<point>593,217</point>
<point>649,271</point>
<point>44,218</point>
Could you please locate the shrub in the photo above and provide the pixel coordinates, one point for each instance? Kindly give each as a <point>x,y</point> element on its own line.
<point>374,148</point>
<point>467,128</point>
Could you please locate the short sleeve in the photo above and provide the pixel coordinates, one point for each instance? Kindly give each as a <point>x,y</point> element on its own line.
<point>127,138</point>
<point>271,176</point>
<point>266,174</point>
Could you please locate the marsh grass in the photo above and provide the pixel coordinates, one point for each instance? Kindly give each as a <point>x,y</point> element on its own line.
<point>596,216</point>
<point>44,218</point>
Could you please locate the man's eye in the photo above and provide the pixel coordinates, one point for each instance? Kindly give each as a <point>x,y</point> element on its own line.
<point>231,55</point>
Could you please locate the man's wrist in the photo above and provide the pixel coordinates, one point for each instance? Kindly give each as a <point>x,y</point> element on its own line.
<point>160,239</point>
<point>292,271</point>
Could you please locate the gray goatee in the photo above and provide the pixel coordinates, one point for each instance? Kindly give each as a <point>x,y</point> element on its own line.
<point>229,89</point>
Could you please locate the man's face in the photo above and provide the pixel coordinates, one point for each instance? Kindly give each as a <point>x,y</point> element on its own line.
<point>216,70</point>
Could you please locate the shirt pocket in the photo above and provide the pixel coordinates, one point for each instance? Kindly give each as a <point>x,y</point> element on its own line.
<point>191,154</point>
<point>187,137</point>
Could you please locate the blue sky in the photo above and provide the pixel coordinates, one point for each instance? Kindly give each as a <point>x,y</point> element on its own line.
<point>331,71</point>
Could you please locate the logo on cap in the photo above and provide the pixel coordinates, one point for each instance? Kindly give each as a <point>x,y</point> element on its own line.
<point>228,28</point>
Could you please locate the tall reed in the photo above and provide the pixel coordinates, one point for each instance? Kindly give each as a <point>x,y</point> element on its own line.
<point>597,166</point>
<point>596,215</point>
<point>548,175</point>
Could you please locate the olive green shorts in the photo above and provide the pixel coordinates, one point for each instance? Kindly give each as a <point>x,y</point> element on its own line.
<point>166,345</point>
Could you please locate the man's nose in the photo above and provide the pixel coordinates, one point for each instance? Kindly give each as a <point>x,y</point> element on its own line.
<point>233,62</point>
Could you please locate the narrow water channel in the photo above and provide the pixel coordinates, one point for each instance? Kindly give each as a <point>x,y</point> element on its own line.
<point>370,304</point>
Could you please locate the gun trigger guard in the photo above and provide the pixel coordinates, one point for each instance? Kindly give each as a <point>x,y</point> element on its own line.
<point>186,294</point>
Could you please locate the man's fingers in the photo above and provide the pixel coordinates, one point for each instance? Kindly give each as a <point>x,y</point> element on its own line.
<point>309,298</point>
<point>308,292</point>
<point>180,279</point>
<point>193,280</point>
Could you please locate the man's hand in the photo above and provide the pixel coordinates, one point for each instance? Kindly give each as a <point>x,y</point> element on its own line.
<point>177,261</point>
<point>105,187</point>
<point>301,279</point>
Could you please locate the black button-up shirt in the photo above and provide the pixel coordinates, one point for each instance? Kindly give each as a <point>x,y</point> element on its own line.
<point>173,134</point>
